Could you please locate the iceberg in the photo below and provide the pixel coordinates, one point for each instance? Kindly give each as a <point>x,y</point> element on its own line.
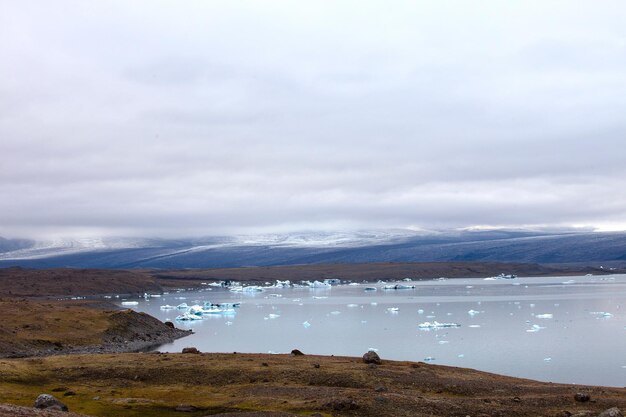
<point>188,317</point>
<point>130,303</point>
<point>318,284</point>
<point>398,287</point>
<point>436,325</point>
<point>168,307</point>
<point>535,328</point>
<point>182,306</point>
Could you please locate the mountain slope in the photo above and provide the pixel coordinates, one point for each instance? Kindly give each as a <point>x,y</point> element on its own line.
<point>316,248</point>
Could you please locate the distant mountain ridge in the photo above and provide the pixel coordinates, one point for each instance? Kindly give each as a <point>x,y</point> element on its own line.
<point>319,247</point>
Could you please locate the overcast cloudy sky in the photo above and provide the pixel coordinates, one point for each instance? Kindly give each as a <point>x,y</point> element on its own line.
<point>180,118</point>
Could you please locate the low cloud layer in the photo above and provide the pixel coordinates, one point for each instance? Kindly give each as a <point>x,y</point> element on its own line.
<point>195,118</point>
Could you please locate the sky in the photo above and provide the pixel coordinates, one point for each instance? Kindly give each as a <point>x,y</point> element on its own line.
<point>192,118</point>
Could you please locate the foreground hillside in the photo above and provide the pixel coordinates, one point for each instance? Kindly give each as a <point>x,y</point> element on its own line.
<point>148,384</point>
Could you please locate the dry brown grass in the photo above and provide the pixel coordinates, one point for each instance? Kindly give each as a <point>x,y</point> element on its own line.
<point>154,384</point>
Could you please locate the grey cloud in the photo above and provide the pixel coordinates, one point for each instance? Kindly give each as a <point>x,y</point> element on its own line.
<point>210,117</point>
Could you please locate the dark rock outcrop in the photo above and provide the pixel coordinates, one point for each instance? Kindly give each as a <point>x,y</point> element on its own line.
<point>582,397</point>
<point>372,357</point>
<point>191,350</point>
<point>49,402</point>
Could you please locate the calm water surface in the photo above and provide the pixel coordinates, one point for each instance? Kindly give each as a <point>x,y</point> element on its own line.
<point>550,329</point>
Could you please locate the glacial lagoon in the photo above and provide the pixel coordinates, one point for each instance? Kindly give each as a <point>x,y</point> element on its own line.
<point>559,329</point>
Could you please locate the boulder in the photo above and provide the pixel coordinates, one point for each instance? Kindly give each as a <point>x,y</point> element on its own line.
<point>191,350</point>
<point>611,412</point>
<point>582,397</point>
<point>49,402</point>
<point>296,352</point>
<point>372,357</point>
<point>169,324</point>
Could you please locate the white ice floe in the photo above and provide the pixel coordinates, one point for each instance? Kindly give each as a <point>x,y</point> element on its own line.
<point>335,313</point>
<point>315,297</point>
<point>544,316</point>
<point>188,317</point>
<point>602,314</point>
<point>130,303</point>
<point>420,311</point>
<point>182,306</point>
<point>569,281</point>
<point>427,325</point>
<point>306,324</point>
<point>443,342</point>
<point>273,316</point>
<point>474,326</point>
<point>547,359</point>
<point>317,284</point>
<point>398,287</point>
<point>352,305</point>
<point>473,312</point>
<point>429,359</point>
<point>393,309</point>
<point>535,328</point>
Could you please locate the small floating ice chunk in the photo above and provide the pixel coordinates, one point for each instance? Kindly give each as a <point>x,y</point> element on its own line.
<point>393,309</point>
<point>168,307</point>
<point>352,305</point>
<point>182,306</point>
<point>130,303</point>
<point>602,314</point>
<point>335,313</point>
<point>544,316</point>
<point>443,342</point>
<point>474,326</point>
<point>371,289</point>
<point>319,297</point>
<point>273,316</point>
<point>547,359</point>
<point>373,303</point>
<point>420,311</point>
<point>429,359</point>
<point>473,312</point>
<point>569,281</point>
<point>188,317</point>
<point>535,328</point>
<point>460,355</point>
<point>427,325</point>
<point>306,324</point>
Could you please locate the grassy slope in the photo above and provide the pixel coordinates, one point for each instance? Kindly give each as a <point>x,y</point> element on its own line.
<point>19,282</point>
<point>154,384</point>
<point>35,327</point>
